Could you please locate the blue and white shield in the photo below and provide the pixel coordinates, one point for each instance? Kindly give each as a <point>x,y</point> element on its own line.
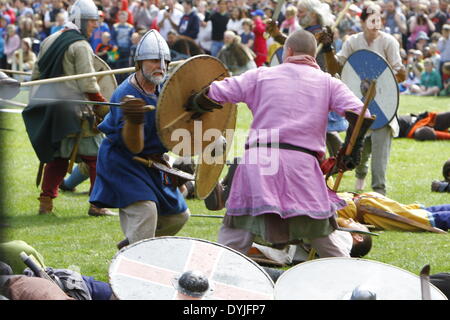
<point>362,67</point>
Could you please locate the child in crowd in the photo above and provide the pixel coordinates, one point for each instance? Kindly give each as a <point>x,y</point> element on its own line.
<point>247,37</point>
<point>106,50</point>
<point>60,20</point>
<point>445,92</point>
<point>430,81</point>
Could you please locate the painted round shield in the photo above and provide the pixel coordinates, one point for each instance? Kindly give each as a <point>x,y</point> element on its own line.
<point>340,278</point>
<point>153,269</point>
<point>277,57</point>
<point>209,169</point>
<point>108,82</point>
<point>176,130</point>
<point>362,67</point>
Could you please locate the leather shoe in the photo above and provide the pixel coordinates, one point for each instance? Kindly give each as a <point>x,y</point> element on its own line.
<point>98,212</point>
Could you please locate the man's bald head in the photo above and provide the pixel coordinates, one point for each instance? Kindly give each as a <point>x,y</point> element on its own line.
<point>302,42</point>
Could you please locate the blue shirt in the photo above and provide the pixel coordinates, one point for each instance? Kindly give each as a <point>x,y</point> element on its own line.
<point>96,36</point>
<point>121,180</point>
<point>122,35</point>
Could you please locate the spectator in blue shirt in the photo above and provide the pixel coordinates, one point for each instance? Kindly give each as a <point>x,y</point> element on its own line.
<point>121,37</point>
<point>190,22</point>
<point>96,37</point>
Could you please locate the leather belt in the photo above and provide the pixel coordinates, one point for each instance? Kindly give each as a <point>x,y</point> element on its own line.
<point>285,146</point>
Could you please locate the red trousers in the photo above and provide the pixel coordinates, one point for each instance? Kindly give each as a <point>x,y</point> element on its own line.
<point>55,171</point>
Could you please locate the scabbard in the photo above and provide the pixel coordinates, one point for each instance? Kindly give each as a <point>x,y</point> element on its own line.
<point>39,174</point>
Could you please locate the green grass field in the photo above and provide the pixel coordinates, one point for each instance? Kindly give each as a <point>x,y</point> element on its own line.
<point>72,239</point>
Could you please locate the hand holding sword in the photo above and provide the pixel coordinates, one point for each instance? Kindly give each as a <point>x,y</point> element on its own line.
<point>271,24</point>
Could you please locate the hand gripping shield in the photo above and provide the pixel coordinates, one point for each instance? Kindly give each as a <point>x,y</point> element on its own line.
<point>179,133</point>
<point>179,268</point>
<point>358,71</point>
<point>350,279</point>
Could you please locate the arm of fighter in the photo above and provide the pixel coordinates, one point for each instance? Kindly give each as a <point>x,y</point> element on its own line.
<point>99,110</point>
<point>274,31</point>
<point>133,129</point>
<point>326,38</point>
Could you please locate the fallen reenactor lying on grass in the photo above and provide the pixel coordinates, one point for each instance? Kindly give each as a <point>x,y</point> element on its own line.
<point>38,282</point>
<point>425,126</point>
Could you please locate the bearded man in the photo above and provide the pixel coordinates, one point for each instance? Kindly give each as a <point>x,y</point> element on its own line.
<point>150,203</point>
<point>61,131</point>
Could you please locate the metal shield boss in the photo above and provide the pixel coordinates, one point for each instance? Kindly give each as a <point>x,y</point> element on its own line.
<point>362,67</point>
<point>350,279</point>
<point>203,137</point>
<point>179,268</point>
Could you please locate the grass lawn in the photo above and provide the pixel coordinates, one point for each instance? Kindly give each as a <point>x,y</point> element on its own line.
<point>72,239</point>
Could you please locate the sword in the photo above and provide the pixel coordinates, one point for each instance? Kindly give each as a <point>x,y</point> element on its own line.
<point>101,103</point>
<point>153,164</point>
<point>275,15</point>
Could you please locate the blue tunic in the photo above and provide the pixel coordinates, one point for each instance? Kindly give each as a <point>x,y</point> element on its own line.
<point>121,180</point>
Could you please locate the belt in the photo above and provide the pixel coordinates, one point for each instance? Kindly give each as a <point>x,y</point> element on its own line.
<point>285,146</point>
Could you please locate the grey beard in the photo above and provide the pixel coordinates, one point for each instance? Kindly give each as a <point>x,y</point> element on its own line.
<point>156,80</point>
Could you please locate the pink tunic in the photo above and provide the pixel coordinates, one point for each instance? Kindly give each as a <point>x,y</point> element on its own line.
<point>293,99</point>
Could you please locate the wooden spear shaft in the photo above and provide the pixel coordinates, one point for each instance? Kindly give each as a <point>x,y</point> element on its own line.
<point>77,77</point>
<point>369,97</point>
<point>24,73</point>
<point>336,23</point>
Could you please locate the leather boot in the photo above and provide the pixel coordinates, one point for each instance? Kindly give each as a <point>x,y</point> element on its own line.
<point>45,205</point>
<point>123,243</point>
<point>97,212</point>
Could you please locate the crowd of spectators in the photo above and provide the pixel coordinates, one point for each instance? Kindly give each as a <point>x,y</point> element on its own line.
<point>223,28</point>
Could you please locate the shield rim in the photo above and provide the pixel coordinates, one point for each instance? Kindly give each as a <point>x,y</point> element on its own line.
<point>233,118</point>
<point>107,67</point>
<point>349,259</point>
<point>116,255</point>
<point>163,91</point>
<point>393,76</point>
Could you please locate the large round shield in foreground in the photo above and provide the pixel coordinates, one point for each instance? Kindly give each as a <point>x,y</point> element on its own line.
<point>177,131</point>
<point>108,82</point>
<point>337,279</point>
<point>362,67</point>
<point>209,169</point>
<point>277,57</point>
<point>155,269</point>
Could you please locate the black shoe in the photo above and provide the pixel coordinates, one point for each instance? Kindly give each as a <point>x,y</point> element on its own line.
<point>123,243</point>
<point>63,187</point>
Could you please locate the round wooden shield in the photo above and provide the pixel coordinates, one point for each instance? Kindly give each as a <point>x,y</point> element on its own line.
<point>177,131</point>
<point>277,57</point>
<point>108,82</point>
<point>337,279</point>
<point>150,270</point>
<point>209,169</point>
<point>362,67</point>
